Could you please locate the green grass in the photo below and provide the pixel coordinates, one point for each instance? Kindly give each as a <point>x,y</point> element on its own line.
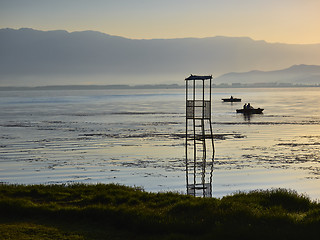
<point>109,211</point>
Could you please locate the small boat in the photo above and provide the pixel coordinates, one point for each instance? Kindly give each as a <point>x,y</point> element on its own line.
<point>250,110</point>
<point>231,99</point>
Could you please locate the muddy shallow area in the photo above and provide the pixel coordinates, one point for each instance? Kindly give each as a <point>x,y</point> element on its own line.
<point>135,138</point>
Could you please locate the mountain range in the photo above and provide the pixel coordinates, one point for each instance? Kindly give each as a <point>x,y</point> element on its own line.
<point>31,57</point>
<point>296,74</point>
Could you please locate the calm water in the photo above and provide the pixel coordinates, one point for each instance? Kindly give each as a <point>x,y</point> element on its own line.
<point>135,137</point>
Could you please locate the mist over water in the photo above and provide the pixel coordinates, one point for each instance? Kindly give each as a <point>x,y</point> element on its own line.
<point>136,137</point>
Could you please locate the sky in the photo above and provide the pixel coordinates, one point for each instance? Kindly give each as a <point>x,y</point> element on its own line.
<point>285,21</point>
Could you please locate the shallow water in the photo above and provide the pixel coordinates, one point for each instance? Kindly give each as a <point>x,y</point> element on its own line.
<point>136,137</point>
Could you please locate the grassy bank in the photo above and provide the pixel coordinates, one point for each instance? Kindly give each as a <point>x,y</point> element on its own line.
<point>117,212</point>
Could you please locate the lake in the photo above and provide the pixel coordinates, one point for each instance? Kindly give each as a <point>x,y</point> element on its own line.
<point>135,137</point>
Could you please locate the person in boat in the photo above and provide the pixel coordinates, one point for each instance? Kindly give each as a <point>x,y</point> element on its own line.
<point>231,97</point>
<point>249,106</point>
<point>245,106</point>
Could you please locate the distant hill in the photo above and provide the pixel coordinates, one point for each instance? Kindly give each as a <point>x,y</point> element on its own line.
<point>32,57</point>
<point>297,74</point>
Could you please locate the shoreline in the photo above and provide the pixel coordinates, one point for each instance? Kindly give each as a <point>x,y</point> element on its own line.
<point>156,86</point>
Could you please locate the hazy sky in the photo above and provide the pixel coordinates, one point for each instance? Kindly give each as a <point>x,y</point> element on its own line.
<point>287,21</point>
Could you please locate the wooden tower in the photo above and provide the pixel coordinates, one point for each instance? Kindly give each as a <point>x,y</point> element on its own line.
<point>199,145</point>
